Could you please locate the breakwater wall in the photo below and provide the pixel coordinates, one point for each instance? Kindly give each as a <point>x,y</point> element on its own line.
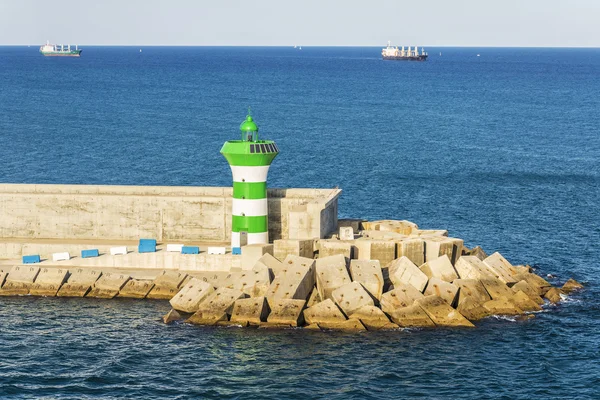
<point>88,212</point>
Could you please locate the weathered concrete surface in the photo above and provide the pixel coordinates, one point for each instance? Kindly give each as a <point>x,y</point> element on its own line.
<point>346,233</point>
<point>440,268</point>
<point>413,249</point>
<point>191,295</point>
<point>443,289</point>
<point>331,273</point>
<point>255,283</point>
<point>216,307</point>
<point>471,288</point>
<point>472,309</point>
<point>429,232</point>
<point>136,289</point>
<point>166,285</point>
<point>521,300</point>
<point>3,275</point>
<point>553,295</point>
<point>403,295</point>
<point>351,325</point>
<point>295,280</point>
<point>502,306</point>
<point>369,274</point>
<point>325,312</point>
<point>528,290</point>
<point>253,252</point>
<point>286,312</point>
<point>328,248</point>
<point>79,283</point>
<point>571,285</point>
<point>108,285</point>
<point>399,226</point>
<point>437,246</point>
<point>297,247</point>
<point>471,267</point>
<point>252,311</point>
<point>314,298</point>
<point>369,313</point>
<point>405,271</point>
<point>48,281</point>
<point>475,251</point>
<point>497,289</point>
<point>171,316</point>
<point>19,280</point>
<point>535,281</point>
<point>441,313</point>
<point>383,251</point>
<point>184,213</point>
<point>351,297</point>
<point>271,263</point>
<point>411,316</point>
<point>503,269</point>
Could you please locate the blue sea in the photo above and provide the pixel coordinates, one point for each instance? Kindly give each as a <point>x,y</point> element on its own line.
<point>501,149</point>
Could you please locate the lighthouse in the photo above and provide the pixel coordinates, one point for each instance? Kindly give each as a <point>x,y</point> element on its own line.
<point>249,159</point>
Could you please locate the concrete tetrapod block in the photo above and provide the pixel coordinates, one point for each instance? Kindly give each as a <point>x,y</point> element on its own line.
<point>553,295</point>
<point>438,246</point>
<point>331,273</point>
<point>503,269</point>
<point>413,249</point>
<point>252,311</point>
<point>216,307</point>
<point>399,226</point>
<point>535,281</point>
<point>373,318</point>
<point>323,313</point>
<point>403,295</point>
<point>352,296</point>
<point>571,285</point>
<point>404,271</point>
<point>253,252</point>
<point>346,233</point>
<point>497,289</point>
<point>383,251</point>
<point>297,247</point>
<point>443,289</point>
<point>286,312</point>
<point>350,325</point>
<point>328,248</point>
<point>441,313</point>
<point>166,285</point>
<point>471,288</point>
<point>475,251</point>
<point>19,280</point>
<point>314,298</point>
<point>136,289</point>
<point>521,300</point>
<point>528,290</point>
<point>471,267</point>
<point>440,268</point>
<point>48,281</point>
<point>269,262</point>
<point>79,283</point>
<point>295,280</point>
<point>255,283</point>
<point>3,275</point>
<point>472,309</point>
<point>411,317</point>
<point>369,274</point>
<point>502,306</point>
<point>108,285</point>
<point>189,297</point>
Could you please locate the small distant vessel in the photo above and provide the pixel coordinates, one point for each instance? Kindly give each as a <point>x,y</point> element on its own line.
<point>478,55</point>
<point>300,48</point>
<point>393,53</point>
<point>140,50</point>
<point>59,50</point>
<point>295,46</point>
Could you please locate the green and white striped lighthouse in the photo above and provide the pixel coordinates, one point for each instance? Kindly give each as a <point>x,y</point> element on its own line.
<point>249,159</point>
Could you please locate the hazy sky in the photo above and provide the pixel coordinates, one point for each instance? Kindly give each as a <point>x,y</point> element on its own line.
<point>306,22</point>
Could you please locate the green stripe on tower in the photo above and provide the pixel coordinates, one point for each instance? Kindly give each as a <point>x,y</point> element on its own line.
<point>249,224</point>
<point>250,190</point>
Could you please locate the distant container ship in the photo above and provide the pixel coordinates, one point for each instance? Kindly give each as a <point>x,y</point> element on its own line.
<point>393,53</point>
<point>59,50</point>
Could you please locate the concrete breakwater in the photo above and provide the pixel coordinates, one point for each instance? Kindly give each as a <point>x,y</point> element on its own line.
<point>370,275</point>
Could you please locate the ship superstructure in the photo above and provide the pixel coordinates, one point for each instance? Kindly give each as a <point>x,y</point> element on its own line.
<point>59,50</point>
<point>410,54</point>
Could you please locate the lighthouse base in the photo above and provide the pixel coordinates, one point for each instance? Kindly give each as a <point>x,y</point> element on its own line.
<point>239,239</point>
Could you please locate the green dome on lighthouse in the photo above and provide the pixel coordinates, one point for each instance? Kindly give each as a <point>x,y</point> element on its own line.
<point>248,125</point>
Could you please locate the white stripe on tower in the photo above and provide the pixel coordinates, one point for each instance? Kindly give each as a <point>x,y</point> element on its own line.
<point>250,208</point>
<point>249,174</point>
<point>235,239</point>
<point>258,237</point>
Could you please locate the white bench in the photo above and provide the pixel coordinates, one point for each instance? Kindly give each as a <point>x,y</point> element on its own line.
<point>61,256</point>
<point>118,250</point>
<point>216,250</point>
<point>174,248</point>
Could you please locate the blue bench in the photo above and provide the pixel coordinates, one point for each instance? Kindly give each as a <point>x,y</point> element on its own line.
<point>89,253</point>
<point>236,251</point>
<point>32,259</point>
<point>147,246</point>
<point>190,250</point>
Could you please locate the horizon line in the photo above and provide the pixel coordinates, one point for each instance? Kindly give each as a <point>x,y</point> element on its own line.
<point>321,45</point>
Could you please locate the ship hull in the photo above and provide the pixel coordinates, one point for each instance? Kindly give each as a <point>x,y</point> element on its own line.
<point>72,53</point>
<point>400,58</point>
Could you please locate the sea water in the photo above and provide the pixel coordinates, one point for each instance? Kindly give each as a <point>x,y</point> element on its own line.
<point>502,150</point>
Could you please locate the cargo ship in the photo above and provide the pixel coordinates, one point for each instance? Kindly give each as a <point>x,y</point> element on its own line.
<point>59,50</point>
<point>394,53</point>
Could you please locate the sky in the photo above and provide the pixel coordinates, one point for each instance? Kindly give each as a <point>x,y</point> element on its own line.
<point>543,23</point>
